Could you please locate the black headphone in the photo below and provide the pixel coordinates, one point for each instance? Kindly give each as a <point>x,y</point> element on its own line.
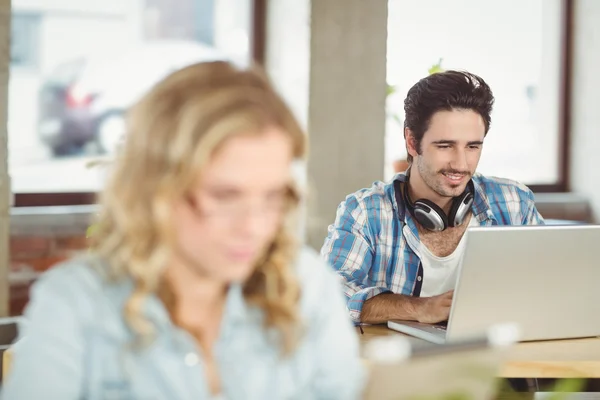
<point>432,217</point>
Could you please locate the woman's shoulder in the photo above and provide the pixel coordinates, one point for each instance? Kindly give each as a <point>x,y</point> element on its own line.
<point>86,273</point>
<point>82,283</point>
<point>317,278</point>
<point>310,266</point>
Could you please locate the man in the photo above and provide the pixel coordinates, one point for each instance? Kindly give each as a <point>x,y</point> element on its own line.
<point>398,245</point>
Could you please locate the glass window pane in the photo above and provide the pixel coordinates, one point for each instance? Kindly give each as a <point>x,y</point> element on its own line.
<point>24,38</point>
<point>77,65</point>
<point>515,46</point>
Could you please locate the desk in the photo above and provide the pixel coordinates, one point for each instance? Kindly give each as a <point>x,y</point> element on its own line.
<point>573,358</point>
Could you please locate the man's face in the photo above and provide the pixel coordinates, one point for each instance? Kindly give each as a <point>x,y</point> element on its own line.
<point>450,151</point>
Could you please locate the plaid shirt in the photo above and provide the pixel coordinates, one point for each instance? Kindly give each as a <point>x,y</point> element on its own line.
<point>367,243</point>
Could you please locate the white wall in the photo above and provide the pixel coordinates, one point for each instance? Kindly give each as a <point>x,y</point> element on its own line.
<point>585,127</point>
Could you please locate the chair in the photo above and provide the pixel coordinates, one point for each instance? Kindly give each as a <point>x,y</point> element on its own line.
<point>8,334</point>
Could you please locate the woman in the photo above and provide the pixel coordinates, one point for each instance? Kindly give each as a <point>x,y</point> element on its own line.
<point>194,288</point>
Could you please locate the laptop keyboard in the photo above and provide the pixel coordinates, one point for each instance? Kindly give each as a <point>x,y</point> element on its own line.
<point>442,326</point>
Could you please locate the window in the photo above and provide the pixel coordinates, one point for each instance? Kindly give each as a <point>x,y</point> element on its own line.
<point>517,47</point>
<point>92,60</point>
<point>24,40</point>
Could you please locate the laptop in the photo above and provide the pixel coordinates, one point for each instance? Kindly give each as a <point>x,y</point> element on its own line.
<point>545,279</point>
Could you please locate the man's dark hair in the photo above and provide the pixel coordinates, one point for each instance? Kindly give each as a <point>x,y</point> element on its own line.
<point>445,91</point>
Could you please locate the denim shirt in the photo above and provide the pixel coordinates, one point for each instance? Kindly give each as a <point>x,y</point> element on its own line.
<point>75,345</point>
<point>369,244</point>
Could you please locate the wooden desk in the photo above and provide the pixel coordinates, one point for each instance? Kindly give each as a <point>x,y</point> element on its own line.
<point>576,358</point>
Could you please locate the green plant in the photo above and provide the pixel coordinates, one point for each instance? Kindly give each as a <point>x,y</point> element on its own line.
<point>435,68</point>
<point>89,232</point>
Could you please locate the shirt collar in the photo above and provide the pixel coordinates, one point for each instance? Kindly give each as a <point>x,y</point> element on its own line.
<point>481,206</point>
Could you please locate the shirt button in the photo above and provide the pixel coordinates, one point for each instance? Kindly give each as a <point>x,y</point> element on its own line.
<point>191,359</point>
<point>419,278</point>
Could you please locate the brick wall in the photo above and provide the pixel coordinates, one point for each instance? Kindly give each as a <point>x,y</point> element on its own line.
<point>31,255</point>
<point>40,238</point>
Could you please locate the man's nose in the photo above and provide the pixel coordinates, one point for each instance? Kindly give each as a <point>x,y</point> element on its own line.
<point>460,160</point>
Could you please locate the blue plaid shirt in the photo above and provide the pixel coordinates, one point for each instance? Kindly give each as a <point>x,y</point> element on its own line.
<point>367,243</point>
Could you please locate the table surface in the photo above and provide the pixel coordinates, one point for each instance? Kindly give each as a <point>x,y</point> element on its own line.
<point>567,358</point>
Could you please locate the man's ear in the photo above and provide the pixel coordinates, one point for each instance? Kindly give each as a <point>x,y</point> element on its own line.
<point>411,142</point>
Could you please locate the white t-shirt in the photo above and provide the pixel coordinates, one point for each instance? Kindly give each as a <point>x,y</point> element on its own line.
<point>440,273</point>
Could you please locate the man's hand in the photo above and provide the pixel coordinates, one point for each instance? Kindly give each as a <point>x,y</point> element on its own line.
<point>387,306</point>
<point>431,310</point>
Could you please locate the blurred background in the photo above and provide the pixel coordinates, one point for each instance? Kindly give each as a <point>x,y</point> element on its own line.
<point>344,66</point>
<point>76,65</point>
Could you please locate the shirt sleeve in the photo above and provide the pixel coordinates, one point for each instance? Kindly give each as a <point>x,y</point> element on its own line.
<point>339,372</point>
<point>348,249</point>
<point>47,361</point>
<point>532,215</point>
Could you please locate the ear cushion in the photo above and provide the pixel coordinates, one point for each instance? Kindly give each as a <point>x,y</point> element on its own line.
<point>430,215</point>
<point>461,206</point>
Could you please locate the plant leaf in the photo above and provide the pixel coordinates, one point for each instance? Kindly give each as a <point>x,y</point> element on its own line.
<point>435,68</point>
<point>390,90</point>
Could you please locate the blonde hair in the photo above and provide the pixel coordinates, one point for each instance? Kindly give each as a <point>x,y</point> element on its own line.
<point>171,134</point>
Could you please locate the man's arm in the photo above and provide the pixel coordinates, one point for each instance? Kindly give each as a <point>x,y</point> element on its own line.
<point>532,215</point>
<point>387,306</point>
<point>348,249</point>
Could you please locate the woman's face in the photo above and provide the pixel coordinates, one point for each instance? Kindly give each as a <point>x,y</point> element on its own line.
<point>234,211</point>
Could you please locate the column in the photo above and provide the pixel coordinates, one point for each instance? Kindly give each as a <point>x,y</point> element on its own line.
<point>328,59</point>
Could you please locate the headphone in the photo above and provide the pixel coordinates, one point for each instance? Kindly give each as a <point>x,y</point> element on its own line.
<point>432,217</point>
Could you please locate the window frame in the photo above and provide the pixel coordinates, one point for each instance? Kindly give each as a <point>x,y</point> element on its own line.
<point>565,91</point>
